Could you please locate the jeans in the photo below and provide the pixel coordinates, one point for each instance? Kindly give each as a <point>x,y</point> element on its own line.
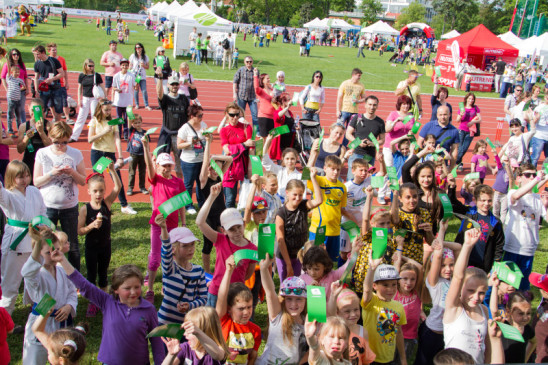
<point>252,107</point>
<point>191,174</point>
<point>198,57</point>
<point>360,52</point>
<point>211,300</point>
<point>345,119</point>
<point>309,114</point>
<point>230,196</point>
<point>137,162</point>
<point>464,142</point>
<point>95,156</point>
<point>22,111</point>
<point>538,145</point>
<point>351,159</point>
<point>53,98</point>
<point>504,89</point>
<point>108,30</point>
<point>14,108</point>
<point>143,87</point>
<point>68,218</point>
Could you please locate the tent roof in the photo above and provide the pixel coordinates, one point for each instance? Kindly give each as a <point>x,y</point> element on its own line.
<point>480,40</point>
<point>314,22</point>
<point>537,45</point>
<point>174,6</point>
<point>202,15</point>
<point>188,7</point>
<point>511,39</point>
<point>451,34</point>
<point>380,27</point>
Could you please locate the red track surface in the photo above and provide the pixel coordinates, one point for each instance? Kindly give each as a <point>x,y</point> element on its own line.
<point>215,95</point>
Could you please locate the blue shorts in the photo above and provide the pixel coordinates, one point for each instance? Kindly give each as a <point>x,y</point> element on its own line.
<point>108,81</point>
<point>332,245</point>
<point>53,98</point>
<point>2,33</point>
<point>525,264</point>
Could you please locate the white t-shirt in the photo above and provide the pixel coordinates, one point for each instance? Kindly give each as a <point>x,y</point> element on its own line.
<point>194,153</point>
<point>281,172</point>
<point>126,83</point>
<point>542,125</point>
<point>192,37</point>
<point>438,293</point>
<point>61,192</point>
<point>522,225</point>
<point>356,197</point>
<point>514,147</point>
<point>2,23</point>
<point>277,350</point>
<point>136,68</point>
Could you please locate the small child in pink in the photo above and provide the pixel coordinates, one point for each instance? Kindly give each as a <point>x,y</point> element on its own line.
<point>479,160</point>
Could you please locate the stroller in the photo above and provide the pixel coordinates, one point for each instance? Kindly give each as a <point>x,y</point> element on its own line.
<point>307,132</point>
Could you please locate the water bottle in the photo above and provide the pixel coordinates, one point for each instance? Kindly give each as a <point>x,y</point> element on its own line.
<point>30,147</point>
<point>118,166</point>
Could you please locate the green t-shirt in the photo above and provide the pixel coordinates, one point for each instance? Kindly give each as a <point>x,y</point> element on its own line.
<point>199,43</point>
<point>205,45</point>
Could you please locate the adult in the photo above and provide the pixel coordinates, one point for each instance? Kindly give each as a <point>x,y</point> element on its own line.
<point>58,171</point>
<point>49,72</point>
<point>362,126</point>
<point>531,78</point>
<point>3,28</point>
<point>282,116</point>
<point>192,39</point>
<point>461,70</point>
<point>243,88</point>
<point>52,50</point>
<point>441,128</point>
<point>312,98</point>
<point>139,63</point>
<point>439,98</point>
<point>162,69</point>
<point>191,142</point>
<point>469,126</point>
<point>15,59</point>
<point>539,142</point>
<point>361,46</point>
<point>228,50</point>
<point>174,115</point>
<point>521,74</point>
<point>111,62</point>
<point>351,93</point>
<point>186,80</point>
<point>236,142</point>
<point>511,101</point>
<point>507,80</point>
<point>535,99</point>
<point>412,88</point>
<point>109,25</point>
<point>264,91</point>
<point>327,146</point>
<point>64,18</point>
<point>500,66</point>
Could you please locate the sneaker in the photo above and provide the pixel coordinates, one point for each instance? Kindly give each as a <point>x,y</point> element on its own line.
<point>92,310</point>
<point>191,211</point>
<point>136,107</point>
<point>148,108</point>
<point>149,296</point>
<point>128,210</point>
<point>129,192</point>
<point>144,191</point>
<point>460,168</point>
<point>381,200</point>
<point>70,122</point>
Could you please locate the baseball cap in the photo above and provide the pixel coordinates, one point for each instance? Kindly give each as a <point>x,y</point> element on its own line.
<point>386,272</point>
<point>182,235</point>
<point>539,280</point>
<point>293,286</point>
<point>112,42</point>
<point>231,217</point>
<point>259,204</point>
<point>173,79</point>
<point>124,60</point>
<point>164,159</point>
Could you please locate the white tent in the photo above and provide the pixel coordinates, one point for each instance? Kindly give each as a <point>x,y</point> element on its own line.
<point>187,8</point>
<point>157,8</point>
<point>338,24</point>
<point>314,23</point>
<point>535,46</point>
<point>451,34</point>
<point>380,27</point>
<point>171,8</point>
<point>511,39</point>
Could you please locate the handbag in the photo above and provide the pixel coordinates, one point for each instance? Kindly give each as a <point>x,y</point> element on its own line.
<point>192,92</point>
<point>97,91</point>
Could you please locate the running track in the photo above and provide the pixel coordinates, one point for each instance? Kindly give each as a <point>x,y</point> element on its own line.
<point>215,95</point>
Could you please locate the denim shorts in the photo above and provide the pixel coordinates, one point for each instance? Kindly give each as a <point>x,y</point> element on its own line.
<point>108,81</point>
<point>53,98</point>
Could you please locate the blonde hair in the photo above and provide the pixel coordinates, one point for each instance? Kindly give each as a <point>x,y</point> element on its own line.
<point>288,322</point>
<point>345,296</point>
<point>207,320</point>
<point>60,130</point>
<point>474,273</point>
<point>98,114</point>
<point>184,65</point>
<point>87,61</point>
<point>15,169</point>
<point>69,344</point>
<point>302,251</point>
<point>338,325</point>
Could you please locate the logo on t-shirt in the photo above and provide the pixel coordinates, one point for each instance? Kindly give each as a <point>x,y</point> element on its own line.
<point>387,322</point>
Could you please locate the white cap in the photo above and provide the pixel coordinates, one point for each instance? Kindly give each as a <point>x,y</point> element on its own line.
<point>164,159</point>
<point>231,217</point>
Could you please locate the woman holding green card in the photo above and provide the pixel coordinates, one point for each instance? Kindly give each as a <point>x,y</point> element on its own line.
<point>161,61</point>
<point>469,118</point>
<point>139,64</point>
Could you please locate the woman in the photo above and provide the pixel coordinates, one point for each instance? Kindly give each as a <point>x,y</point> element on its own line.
<point>236,141</point>
<point>282,116</point>
<point>186,80</point>
<point>86,101</point>
<point>312,98</point>
<point>469,125</point>
<point>166,68</point>
<point>139,64</point>
<point>535,100</point>
<point>105,141</point>
<point>191,143</point>
<point>58,170</point>
<point>14,58</point>
<point>439,98</point>
<point>263,89</point>
<point>328,146</point>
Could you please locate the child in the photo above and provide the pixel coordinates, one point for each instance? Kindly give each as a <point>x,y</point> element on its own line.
<point>453,357</point>
<point>205,343</point>
<point>164,187</point>
<point>255,212</point>
<point>15,86</point>
<point>330,346</point>
<point>467,190</point>
<point>430,146</point>
<point>518,143</point>
<point>539,323</point>
<point>279,85</point>
<point>401,153</point>
<point>286,313</point>
<point>441,173</point>
<point>184,284</point>
<point>231,240</point>
<point>20,202</point>
<point>121,36</point>
<point>521,230</point>
<point>137,153</point>
<point>127,318</point>
<point>126,34</point>
<point>332,207</point>
<point>235,307</point>
<point>235,56</point>
<point>123,85</point>
<point>284,173</point>
<point>292,226</point>
<point>479,160</point>
<point>94,221</point>
<point>270,194</point>
<point>199,42</point>
<point>218,54</point>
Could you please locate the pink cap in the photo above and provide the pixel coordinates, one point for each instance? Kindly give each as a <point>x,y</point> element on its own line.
<point>182,235</point>
<point>164,159</point>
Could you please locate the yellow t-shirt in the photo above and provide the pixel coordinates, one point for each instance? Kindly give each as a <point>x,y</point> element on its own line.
<point>105,143</point>
<point>415,90</point>
<point>329,213</point>
<point>350,90</point>
<point>381,320</point>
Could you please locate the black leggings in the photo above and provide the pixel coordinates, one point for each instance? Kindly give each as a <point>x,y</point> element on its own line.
<point>430,343</point>
<point>204,55</point>
<point>97,262</point>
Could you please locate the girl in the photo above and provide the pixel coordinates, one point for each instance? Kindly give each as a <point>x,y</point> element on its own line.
<point>186,80</point>
<point>312,98</point>
<point>517,147</point>
<point>429,145</point>
<point>279,85</point>
<point>469,123</point>
<point>479,160</point>
<point>518,112</point>
<point>292,225</point>
<point>284,173</point>
<point>441,173</point>
<point>20,202</point>
<point>282,116</point>
<point>127,318</point>
<point>328,146</point>
<point>467,190</point>
<point>205,343</point>
<point>286,313</point>
<point>94,221</point>
<point>331,345</point>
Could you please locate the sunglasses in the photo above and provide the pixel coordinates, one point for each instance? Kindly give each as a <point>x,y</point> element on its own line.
<point>529,175</point>
<point>106,102</point>
<point>15,54</point>
<point>248,61</point>
<point>60,143</point>
<point>91,66</point>
<point>232,115</point>
<point>161,51</point>
<point>138,47</point>
<point>317,77</point>
<point>520,90</point>
<point>296,291</point>
<point>199,115</point>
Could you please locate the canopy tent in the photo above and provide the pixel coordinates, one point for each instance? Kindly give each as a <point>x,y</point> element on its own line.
<point>189,7</point>
<point>535,46</point>
<point>171,8</point>
<point>335,23</point>
<point>155,10</point>
<point>314,23</point>
<point>451,34</point>
<point>511,39</point>
<point>380,27</point>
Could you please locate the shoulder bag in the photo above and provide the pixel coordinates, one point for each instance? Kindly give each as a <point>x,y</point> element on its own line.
<point>97,91</point>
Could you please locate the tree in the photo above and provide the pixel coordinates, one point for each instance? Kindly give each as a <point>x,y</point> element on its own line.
<point>342,5</point>
<point>370,10</point>
<point>415,12</point>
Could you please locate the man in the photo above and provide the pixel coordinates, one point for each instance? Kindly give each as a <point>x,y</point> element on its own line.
<point>192,38</point>
<point>49,73</point>
<point>361,45</point>
<point>52,50</point>
<point>351,93</point>
<point>444,132</point>
<point>174,114</point>
<point>64,19</point>
<point>511,101</point>
<point>531,79</point>
<point>411,88</point>
<point>361,126</point>
<point>109,24</point>
<point>461,70</point>
<point>243,89</point>
<point>406,52</point>
<point>499,71</point>
<point>539,142</point>
<point>227,52</point>
<point>507,80</point>
<point>111,61</point>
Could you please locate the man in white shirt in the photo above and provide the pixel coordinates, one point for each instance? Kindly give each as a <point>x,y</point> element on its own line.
<point>192,38</point>
<point>511,101</point>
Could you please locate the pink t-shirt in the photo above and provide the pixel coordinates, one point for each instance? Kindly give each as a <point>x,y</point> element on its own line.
<point>115,57</point>
<point>326,281</point>
<point>481,164</point>
<point>266,109</point>
<point>399,130</point>
<point>4,148</point>
<point>412,306</point>
<point>469,114</point>
<point>22,72</point>
<point>224,248</point>
<point>162,190</point>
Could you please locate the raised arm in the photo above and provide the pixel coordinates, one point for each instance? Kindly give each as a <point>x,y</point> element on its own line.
<point>209,232</point>
<point>366,216</point>
<point>318,197</point>
<point>368,282</point>
<point>151,173</point>
<point>222,296</point>
<point>204,171</point>
<point>272,301</point>
<point>256,181</point>
<point>117,185</point>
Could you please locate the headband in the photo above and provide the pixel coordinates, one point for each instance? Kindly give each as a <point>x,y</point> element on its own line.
<point>377,211</point>
<point>71,344</point>
<point>92,175</point>
<point>448,253</point>
<point>80,328</point>
<point>345,294</point>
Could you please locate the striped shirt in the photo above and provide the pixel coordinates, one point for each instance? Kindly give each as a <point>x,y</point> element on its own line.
<point>243,78</point>
<point>180,285</point>
<point>14,88</point>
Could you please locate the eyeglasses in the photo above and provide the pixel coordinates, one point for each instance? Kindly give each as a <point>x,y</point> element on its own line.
<point>528,175</point>
<point>106,102</point>
<point>199,115</point>
<point>64,143</point>
<point>318,77</point>
<point>296,291</point>
<point>233,115</point>
<point>161,51</point>
<point>248,61</point>
<point>15,54</point>
<point>91,66</point>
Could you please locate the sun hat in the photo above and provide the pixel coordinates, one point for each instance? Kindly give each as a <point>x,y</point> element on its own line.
<point>164,159</point>
<point>386,272</point>
<point>293,286</point>
<point>182,235</point>
<point>231,217</point>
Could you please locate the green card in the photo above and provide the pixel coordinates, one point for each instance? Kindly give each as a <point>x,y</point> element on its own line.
<point>447,206</point>
<point>40,220</point>
<point>321,139</point>
<point>437,69</point>
<point>443,141</point>
<point>472,222</point>
<point>491,144</point>
<point>510,332</point>
<point>256,165</point>
<point>137,79</point>
<point>400,232</point>
<point>416,127</point>
<point>102,164</point>
<point>472,175</point>
<point>295,98</point>
<point>377,181</point>
<point>379,241</point>
<point>394,185</point>
<point>407,119</point>
<point>319,239</point>
<point>355,143</point>
<point>374,140</point>
<point>392,172</point>
<point>545,166</point>
<point>255,129</point>
<point>245,255</point>
<point>316,303</point>
<point>160,62</point>
<point>216,167</point>
<point>347,274</point>
<point>210,130</point>
<point>352,228</point>
<point>306,173</point>
<point>267,239</point>
<point>259,145</point>
<point>527,105</point>
<point>151,130</point>
<point>461,107</point>
<point>454,172</point>
<point>283,129</point>
<point>157,149</point>
<point>45,304</point>
<point>508,272</point>
<point>177,202</point>
<point>367,158</point>
<point>37,111</point>
<point>129,112</point>
<point>117,121</point>
<point>172,330</point>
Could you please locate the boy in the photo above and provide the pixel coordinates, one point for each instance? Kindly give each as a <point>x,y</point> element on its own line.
<point>329,213</point>
<point>383,316</point>
<point>540,322</point>
<point>235,58</point>
<point>219,54</point>
<point>15,86</point>
<point>123,85</point>
<point>523,220</point>
<point>137,153</point>
<point>270,194</point>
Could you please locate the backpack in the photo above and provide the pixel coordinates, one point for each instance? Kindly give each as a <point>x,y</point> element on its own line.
<point>226,44</point>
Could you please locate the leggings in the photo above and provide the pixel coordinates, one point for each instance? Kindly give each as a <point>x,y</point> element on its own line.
<point>430,343</point>
<point>204,55</point>
<point>121,113</point>
<point>97,262</point>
